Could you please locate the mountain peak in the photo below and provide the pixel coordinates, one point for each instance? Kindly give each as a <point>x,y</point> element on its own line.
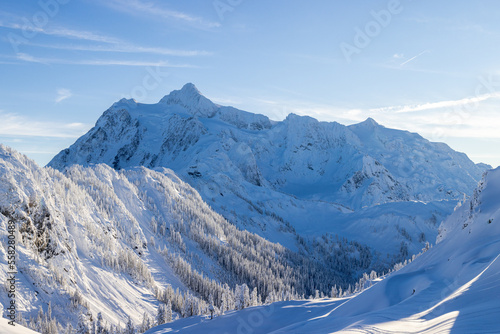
<point>187,92</point>
<point>192,100</point>
<point>370,121</point>
<point>190,88</point>
<point>124,102</point>
<point>368,124</point>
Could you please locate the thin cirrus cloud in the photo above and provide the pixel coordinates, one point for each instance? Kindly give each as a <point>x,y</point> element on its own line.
<point>16,125</point>
<point>100,62</point>
<point>63,94</point>
<point>149,8</point>
<point>108,43</point>
<point>7,22</point>
<point>413,58</point>
<point>470,117</point>
<point>125,48</point>
<point>468,101</point>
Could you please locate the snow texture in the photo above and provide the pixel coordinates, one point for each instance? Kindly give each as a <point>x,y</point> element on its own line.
<point>298,178</point>
<point>451,288</point>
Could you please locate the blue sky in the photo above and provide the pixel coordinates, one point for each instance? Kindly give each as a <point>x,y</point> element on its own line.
<point>431,67</point>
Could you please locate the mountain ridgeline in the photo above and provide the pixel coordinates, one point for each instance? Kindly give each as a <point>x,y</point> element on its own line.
<point>97,240</point>
<point>358,165</point>
<point>200,206</point>
<point>289,181</point>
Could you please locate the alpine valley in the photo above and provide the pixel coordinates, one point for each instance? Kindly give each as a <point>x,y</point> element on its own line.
<point>189,209</point>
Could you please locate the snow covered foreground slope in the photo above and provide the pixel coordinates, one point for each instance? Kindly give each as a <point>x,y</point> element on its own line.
<point>97,240</point>
<point>293,181</point>
<point>452,288</point>
<point>5,328</point>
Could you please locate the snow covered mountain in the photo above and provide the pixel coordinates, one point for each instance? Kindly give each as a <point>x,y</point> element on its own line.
<point>297,179</point>
<point>451,288</point>
<point>359,165</point>
<point>194,203</point>
<point>97,240</point>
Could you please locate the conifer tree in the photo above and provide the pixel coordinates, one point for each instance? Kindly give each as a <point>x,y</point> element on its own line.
<point>160,315</point>
<point>129,327</point>
<point>82,327</point>
<point>211,307</point>
<point>168,311</point>
<point>100,325</point>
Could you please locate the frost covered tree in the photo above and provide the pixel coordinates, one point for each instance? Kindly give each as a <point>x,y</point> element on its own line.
<point>129,327</point>
<point>160,315</point>
<point>245,295</point>
<point>100,324</point>
<point>188,309</point>
<point>49,310</point>
<point>83,324</point>
<point>146,323</point>
<point>211,307</point>
<point>20,319</point>
<point>334,293</point>
<point>69,329</point>
<point>241,296</point>
<point>223,306</point>
<point>271,298</point>
<point>168,311</point>
<point>254,298</point>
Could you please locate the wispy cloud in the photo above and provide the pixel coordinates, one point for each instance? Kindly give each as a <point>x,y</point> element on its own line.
<point>413,58</point>
<point>104,42</point>
<point>57,31</point>
<point>16,125</point>
<point>29,58</point>
<point>100,62</point>
<point>63,94</point>
<point>436,105</point>
<point>150,8</point>
<point>394,63</point>
<point>471,117</point>
<point>225,100</point>
<point>123,47</point>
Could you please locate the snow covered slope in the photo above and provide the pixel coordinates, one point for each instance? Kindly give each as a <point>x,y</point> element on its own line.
<point>451,288</point>
<point>289,181</point>
<point>359,165</point>
<point>5,328</point>
<point>98,240</point>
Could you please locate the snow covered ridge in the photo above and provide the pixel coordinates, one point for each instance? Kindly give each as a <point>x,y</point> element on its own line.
<point>95,240</point>
<point>294,182</point>
<point>451,288</point>
<point>358,165</point>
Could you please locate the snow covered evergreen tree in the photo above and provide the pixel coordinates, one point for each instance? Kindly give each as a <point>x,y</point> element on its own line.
<point>69,329</point>
<point>334,293</point>
<point>168,311</point>
<point>145,324</point>
<point>211,307</point>
<point>83,324</point>
<point>129,327</point>
<point>254,298</point>
<point>100,324</point>
<point>160,315</point>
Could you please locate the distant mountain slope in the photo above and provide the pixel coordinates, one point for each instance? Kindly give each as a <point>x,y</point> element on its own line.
<point>451,288</point>
<point>291,180</point>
